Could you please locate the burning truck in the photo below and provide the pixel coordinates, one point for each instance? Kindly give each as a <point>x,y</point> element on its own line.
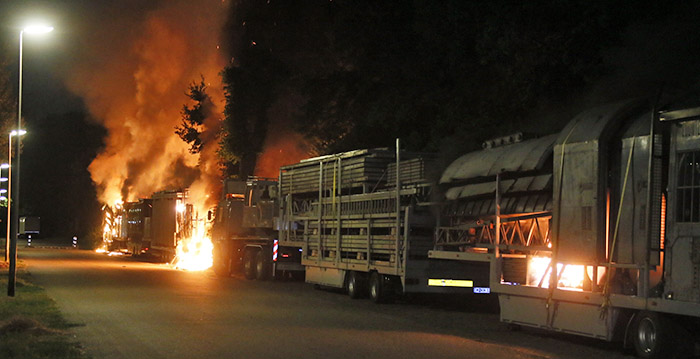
<point>164,226</point>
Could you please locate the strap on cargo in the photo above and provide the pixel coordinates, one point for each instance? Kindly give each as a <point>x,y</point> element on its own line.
<point>608,274</point>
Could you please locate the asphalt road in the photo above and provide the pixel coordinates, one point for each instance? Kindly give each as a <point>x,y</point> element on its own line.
<point>123,308</point>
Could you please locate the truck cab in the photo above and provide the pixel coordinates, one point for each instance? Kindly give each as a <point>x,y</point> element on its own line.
<point>244,233</point>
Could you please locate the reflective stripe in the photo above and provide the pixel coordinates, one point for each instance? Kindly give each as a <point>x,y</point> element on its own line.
<point>275,246</point>
<point>450,283</point>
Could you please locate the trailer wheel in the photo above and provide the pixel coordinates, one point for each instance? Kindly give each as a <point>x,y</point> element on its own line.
<point>249,264</point>
<point>378,289</point>
<point>651,335</point>
<point>355,285</point>
<point>262,266</point>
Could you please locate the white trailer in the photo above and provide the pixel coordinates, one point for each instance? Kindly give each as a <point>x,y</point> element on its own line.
<point>615,252</point>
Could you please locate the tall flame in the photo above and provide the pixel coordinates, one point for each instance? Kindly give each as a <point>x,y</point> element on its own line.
<point>133,80</point>
<point>195,253</point>
<point>136,87</point>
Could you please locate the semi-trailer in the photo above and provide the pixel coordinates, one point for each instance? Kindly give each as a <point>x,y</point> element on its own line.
<point>593,231</point>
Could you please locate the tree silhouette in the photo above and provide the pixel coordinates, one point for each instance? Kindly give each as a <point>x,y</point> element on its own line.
<point>193,117</point>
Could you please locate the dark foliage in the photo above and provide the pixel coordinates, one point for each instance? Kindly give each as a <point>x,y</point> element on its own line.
<point>193,117</point>
<point>441,75</point>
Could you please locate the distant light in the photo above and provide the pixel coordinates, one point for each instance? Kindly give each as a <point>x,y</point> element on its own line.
<point>14,132</point>
<point>3,198</point>
<point>2,190</point>
<point>3,179</point>
<point>37,29</point>
<point>5,166</point>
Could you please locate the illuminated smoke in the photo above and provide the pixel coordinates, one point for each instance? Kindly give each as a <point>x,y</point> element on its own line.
<point>134,81</point>
<point>281,150</point>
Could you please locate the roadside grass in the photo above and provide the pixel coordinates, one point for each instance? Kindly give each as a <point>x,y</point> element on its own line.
<point>31,326</point>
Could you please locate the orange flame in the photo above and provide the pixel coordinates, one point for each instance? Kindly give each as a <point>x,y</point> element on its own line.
<point>134,82</point>
<point>135,87</point>
<point>571,277</point>
<point>196,252</point>
<point>539,271</point>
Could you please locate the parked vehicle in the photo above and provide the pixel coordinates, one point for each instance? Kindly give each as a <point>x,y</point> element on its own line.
<point>592,231</point>
<point>29,226</point>
<point>364,223</point>
<point>245,236</point>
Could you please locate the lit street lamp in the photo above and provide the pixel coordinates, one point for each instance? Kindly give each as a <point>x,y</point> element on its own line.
<point>34,29</point>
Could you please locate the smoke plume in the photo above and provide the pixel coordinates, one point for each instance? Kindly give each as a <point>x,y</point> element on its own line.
<point>134,81</point>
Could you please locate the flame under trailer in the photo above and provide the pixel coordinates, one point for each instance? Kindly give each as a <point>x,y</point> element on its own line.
<point>594,231</point>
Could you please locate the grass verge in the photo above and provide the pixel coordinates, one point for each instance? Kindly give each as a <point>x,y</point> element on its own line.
<point>31,326</point>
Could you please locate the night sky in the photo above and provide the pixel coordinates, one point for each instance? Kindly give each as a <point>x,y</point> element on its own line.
<point>309,78</point>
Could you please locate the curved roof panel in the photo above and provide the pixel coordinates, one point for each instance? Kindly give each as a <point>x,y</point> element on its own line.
<point>518,157</point>
<point>595,123</point>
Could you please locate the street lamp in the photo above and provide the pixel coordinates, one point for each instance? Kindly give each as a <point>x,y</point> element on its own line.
<point>32,29</point>
<point>8,165</point>
<point>3,192</point>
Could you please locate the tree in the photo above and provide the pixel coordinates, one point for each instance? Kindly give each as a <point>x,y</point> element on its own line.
<point>250,87</point>
<point>445,74</point>
<point>193,117</point>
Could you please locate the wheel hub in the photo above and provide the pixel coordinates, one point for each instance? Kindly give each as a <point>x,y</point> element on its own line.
<point>647,335</point>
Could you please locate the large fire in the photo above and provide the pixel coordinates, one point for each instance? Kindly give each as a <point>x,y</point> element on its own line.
<point>195,253</point>
<point>134,80</point>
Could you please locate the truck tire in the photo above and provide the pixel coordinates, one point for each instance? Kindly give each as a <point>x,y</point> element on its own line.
<point>355,285</point>
<point>221,270</point>
<point>378,289</point>
<point>651,335</point>
<point>262,266</point>
<point>222,264</point>
<point>249,264</point>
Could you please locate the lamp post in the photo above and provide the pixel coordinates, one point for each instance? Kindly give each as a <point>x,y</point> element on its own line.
<point>15,182</point>
<point>9,188</point>
<point>6,193</point>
